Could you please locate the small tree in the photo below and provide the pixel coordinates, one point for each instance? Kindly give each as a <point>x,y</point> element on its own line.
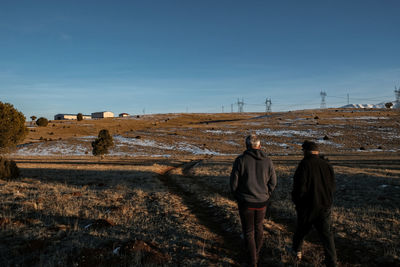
<point>12,126</point>
<point>42,122</point>
<point>12,131</point>
<point>102,143</point>
<point>33,118</point>
<point>389,105</point>
<point>79,117</point>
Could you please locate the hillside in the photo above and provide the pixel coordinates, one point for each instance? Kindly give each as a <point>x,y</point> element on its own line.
<point>169,135</point>
<point>162,198</point>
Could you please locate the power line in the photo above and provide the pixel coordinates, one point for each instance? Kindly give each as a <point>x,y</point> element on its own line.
<point>323,95</point>
<point>240,105</point>
<point>397,94</point>
<point>268,104</point>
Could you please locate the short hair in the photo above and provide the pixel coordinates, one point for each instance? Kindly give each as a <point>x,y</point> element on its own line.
<point>309,146</point>
<point>252,141</point>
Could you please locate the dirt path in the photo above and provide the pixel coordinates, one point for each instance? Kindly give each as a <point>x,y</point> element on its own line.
<point>225,243</point>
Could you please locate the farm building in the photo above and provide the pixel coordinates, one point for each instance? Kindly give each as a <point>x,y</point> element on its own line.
<point>70,117</point>
<point>103,114</point>
<point>122,115</point>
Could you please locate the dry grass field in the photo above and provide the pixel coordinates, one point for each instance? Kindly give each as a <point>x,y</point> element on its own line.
<point>161,197</point>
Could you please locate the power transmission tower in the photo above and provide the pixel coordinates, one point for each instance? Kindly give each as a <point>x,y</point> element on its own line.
<point>231,108</point>
<point>222,108</point>
<point>348,99</point>
<point>397,93</point>
<point>268,104</point>
<point>323,95</point>
<point>240,105</point>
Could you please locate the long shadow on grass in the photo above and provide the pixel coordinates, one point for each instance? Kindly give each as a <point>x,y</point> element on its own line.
<point>34,238</point>
<point>98,180</point>
<point>104,162</point>
<point>367,192</point>
<point>95,179</point>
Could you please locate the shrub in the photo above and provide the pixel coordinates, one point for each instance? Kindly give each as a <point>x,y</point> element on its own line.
<point>8,169</point>
<point>389,105</point>
<point>102,143</point>
<point>12,126</point>
<point>42,122</point>
<point>79,117</point>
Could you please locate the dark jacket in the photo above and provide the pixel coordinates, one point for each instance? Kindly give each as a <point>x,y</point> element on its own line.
<point>313,185</point>
<point>253,177</point>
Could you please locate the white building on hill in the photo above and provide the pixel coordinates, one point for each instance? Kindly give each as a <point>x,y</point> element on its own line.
<point>102,115</point>
<point>70,117</point>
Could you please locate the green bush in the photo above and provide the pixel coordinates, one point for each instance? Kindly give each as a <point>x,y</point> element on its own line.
<point>12,126</point>
<point>42,122</point>
<point>79,117</point>
<point>8,169</point>
<point>102,143</point>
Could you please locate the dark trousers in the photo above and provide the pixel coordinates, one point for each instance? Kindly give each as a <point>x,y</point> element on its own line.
<point>252,226</point>
<point>322,223</point>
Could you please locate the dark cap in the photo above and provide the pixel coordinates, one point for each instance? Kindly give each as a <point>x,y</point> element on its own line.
<point>309,146</point>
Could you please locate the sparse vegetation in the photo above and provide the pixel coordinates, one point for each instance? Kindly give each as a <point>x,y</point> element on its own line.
<point>148,209</point>
<point>8,169</point>
<point>12,126</point>
<point>102,143</point>
<point>42,122</point>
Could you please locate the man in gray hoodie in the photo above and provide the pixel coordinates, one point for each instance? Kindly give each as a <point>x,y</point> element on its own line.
<point>252,181</point>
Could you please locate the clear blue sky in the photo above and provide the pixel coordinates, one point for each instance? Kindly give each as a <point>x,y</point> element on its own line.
<point>196,56</point>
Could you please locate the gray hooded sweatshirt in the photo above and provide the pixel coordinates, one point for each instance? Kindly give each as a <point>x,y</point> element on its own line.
<point>252,178</point>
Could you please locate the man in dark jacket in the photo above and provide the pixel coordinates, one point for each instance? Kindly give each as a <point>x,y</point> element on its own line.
<point>252,181</point>
<point>313,188</point>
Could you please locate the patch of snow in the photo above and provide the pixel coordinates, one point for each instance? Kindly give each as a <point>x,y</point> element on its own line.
<point>160,156</point>
<point>327,142</point>
<point>114,152</point>
<point>52,148</point>
<point>276,144</point>
<point>196,150</point>
<point>377,150</point>
<point>87,138</point>
<point>233,143</point>
<point>121,141</point>
<point>286,133</point>
<point>361,118</point>
<point>252,123</point>
<point>219,132</point>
